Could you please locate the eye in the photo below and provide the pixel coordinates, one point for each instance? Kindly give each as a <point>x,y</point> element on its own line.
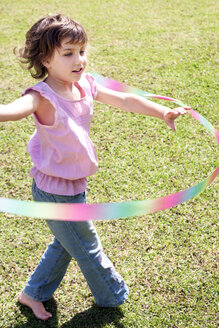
<point>68,54</point>
<point>82,52</point>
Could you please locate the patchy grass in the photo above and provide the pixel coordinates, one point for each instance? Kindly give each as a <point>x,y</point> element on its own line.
<point>169,259</point>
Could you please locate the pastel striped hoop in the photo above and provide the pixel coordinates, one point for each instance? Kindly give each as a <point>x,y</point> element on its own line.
<point>106,211</point>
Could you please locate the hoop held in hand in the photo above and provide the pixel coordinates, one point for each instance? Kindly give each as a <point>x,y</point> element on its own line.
<point>106,211</point>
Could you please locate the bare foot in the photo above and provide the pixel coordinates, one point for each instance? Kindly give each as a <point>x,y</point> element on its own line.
<point>37,307</point>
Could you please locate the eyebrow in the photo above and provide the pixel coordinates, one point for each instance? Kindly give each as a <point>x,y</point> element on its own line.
<point>67,49</point>
<point>72,48</point>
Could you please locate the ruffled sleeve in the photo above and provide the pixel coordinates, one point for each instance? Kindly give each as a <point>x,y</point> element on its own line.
<point>45,92</point>
<point>42,88</point>
<point>93,85</point>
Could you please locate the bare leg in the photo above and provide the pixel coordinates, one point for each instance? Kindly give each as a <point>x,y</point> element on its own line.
<point>37,307</point>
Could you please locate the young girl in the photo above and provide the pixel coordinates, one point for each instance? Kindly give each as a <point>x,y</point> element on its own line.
<point>64,156</point>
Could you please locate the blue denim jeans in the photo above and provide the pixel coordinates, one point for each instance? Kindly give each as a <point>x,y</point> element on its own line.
<point>80,241</point>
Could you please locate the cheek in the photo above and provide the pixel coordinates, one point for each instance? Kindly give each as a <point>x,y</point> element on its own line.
<point>85,57</point>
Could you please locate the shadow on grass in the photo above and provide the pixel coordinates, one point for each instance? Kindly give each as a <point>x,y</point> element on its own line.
<point>94,317</point>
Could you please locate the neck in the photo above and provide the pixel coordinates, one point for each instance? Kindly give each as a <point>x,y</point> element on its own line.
<point>58,85</point>
<point>66,90</point>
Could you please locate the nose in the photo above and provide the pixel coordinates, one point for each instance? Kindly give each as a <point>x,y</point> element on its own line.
<point>78,58</point>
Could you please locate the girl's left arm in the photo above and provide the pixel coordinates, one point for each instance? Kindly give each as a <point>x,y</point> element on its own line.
<point>136,104</point>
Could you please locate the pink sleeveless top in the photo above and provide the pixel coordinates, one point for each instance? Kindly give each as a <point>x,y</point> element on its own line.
<point>63,154</point>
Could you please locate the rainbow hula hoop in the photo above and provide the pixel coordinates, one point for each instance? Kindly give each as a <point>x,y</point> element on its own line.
<point>106,211</point>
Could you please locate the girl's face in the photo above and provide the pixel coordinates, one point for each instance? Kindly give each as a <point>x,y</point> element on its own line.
<point>67,63</point>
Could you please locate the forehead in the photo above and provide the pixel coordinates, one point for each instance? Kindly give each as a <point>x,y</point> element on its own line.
<point>67,43</point>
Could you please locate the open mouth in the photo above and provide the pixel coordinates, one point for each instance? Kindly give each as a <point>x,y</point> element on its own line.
<point>78,70</point>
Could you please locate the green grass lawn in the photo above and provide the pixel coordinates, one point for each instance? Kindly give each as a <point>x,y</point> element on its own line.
<point>169,259</point>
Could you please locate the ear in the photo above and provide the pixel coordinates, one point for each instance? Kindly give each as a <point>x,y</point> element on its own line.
<point>46,63</point>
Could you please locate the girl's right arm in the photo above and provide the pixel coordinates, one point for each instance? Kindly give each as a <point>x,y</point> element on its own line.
<point>20,108</point>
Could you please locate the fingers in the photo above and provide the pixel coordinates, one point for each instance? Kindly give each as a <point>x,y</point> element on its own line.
<point>187,108</point>
<point>171,115</point>
<point>181,110</point>
<point>172,125</point>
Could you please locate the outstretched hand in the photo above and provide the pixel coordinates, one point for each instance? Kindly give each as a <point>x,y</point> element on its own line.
<point>170,116</point>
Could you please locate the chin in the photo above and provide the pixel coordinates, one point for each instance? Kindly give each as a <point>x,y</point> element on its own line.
<point>77,78</point>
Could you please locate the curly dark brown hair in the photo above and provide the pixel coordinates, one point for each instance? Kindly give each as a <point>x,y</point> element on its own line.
<point>46,35</point>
